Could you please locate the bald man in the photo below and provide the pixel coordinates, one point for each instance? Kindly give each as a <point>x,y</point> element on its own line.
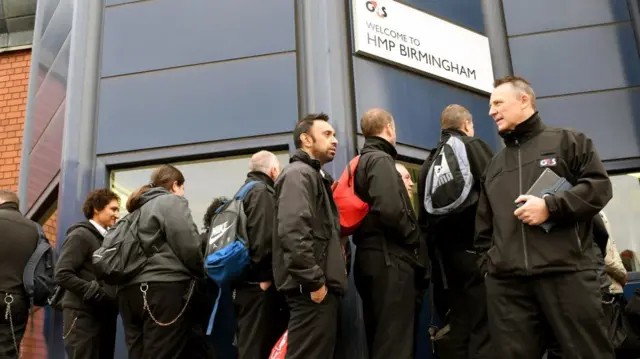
<point>261,312</point>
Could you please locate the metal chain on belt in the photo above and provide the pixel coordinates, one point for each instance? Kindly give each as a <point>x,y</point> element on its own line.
<point>8,300</point>
<point>73,325</point>
<point>144,287</point>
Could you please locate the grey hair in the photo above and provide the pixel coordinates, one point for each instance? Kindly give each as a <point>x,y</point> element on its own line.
<point>7,196</point>
<point>263,161</point>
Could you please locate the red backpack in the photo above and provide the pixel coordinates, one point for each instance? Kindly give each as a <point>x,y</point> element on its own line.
<point>351,208</point>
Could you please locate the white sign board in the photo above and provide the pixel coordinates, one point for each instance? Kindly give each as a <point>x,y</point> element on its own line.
<point>400,34</point>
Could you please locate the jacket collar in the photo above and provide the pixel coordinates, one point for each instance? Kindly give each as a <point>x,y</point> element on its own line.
<point>523,132</point>
<point>375,143</point>
<point>302,156</point>
<point>259,176</point>
<point>10,206</point>
<point>452,131</point>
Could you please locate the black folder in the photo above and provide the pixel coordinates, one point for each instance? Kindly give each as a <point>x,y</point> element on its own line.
<point>548,183</point>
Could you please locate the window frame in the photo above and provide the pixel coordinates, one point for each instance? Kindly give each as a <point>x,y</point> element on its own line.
<point>192,152</point>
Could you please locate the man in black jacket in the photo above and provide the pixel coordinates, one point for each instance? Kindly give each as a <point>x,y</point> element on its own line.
<point>540,282</point>
<point>388,244</point>
<point>260,310</point>
<point>308,261</point>
<point>17,242</point>
<point>452,236</point>
<point>90,309</point>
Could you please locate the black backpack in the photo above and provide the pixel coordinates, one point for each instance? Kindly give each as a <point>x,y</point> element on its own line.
<point>38,275</point>
<point>449,182</point>
<point>121,256</point>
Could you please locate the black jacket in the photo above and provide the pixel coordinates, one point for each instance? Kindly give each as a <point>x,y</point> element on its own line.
<point>165,221</point>
<point>306,244</point>
<point>456,231</point>
<point>259,207</point>
<point>17,242</point>
<point>511,247</point>
<point>391,221</point>
<point>75,272</point>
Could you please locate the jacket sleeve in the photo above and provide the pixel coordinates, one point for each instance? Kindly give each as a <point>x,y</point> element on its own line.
<point>384,194</point>
<point>295,217</point>
<point>182,234</point>
<point>484,228</point>
<point>480,155</point>
<point>260,220</point>
<point>592,188</point>
<point>73,254</point>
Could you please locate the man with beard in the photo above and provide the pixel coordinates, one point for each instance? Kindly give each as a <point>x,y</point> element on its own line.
<point>308,264</point>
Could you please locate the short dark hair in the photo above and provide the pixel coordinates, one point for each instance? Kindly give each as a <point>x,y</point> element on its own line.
<point>97,201</point>
<point>305,125</point>
<point>211,210</point>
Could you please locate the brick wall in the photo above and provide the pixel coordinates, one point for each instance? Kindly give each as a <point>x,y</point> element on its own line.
<point>14,79</point>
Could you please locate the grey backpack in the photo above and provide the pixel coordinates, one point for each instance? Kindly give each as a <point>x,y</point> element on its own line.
<point>449,184</point>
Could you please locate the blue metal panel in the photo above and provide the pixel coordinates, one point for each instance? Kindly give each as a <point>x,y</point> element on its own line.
<point>527,16</point>
<point>167,33</point>
<point>416,102</point>
<point>590,59</point>
<point>203,103</point>
<point>467,13</point>
<point>611,119</point>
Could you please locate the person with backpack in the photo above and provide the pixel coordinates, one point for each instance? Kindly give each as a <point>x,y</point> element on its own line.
<point>449,187</point>
<point>155,304</point>
<point>17,243</point>
<point>534,233</point>
<point>388,268</point>
<point>261,312</point>
<point>90,309</point>
<point>308,261</point>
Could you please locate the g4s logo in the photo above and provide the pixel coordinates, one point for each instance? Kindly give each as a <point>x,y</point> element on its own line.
<point>372,6</point>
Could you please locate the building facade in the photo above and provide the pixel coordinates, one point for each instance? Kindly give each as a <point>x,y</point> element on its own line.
<point>117,87</point>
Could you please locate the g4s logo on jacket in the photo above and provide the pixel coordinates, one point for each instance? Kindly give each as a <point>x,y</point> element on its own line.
<point>548,162</point>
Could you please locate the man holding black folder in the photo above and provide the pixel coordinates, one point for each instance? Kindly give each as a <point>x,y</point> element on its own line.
<point>534,233</point>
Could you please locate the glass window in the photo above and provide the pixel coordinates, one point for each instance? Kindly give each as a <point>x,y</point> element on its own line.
<point>204,180</point>
<point>623,212</point>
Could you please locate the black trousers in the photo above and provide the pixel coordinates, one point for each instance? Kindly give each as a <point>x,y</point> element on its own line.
<point>524,311</point>
<point>313,326</point>
<point>90,334</point>
<point>262,317</point>
<point>19,316</point>
<point>389,299</point>
<point>145,338</point>
<point>469,336</point>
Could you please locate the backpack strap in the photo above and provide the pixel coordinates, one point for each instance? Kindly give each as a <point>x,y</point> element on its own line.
<point>27,275</point>
<point>214,311</point>
<point>244,190</point>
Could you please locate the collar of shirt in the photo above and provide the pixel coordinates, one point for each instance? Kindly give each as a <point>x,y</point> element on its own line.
<point>98,227</point>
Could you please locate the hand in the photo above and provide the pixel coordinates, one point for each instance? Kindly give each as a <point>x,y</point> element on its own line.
<point>533,212</point>
<point>265,285</point>
<point>319,295</point>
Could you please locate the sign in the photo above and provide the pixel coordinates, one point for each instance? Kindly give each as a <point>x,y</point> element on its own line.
<point>408,37</point>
